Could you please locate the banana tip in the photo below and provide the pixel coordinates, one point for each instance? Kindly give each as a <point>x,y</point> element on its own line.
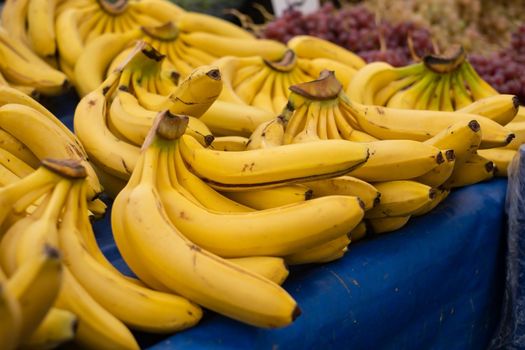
<point>439,158</point>
<point>308,194</point>
<point>51,252</point>
<point>296,313</point>
<point>516,102</point>
<point>450,155</point>
<point>510,137</point>
<point>490,167</point>
<point>474,125</point>
<point>432,193</point>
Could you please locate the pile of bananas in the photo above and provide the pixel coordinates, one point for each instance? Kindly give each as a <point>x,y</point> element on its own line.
<point>445,83</point>
<point>223,170</point>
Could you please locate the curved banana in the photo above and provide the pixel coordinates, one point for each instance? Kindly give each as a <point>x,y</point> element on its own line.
<point>387,224</point>
<point>475,169</point>
<point>398,160</point>
<point>58,327</point>
<point>437,176</point>
<point>359,232</point>
<point>271,197</point>
<point>348,186</point>
<point>306,46</point>
<point>12,145</point>
<point>10,318</point>
<point>269,167</point>
<point>500,108</point>
<point>228,143</point>
<point>500,157</point>
<point>320,254</point>
<point>41,26</point>
<point>267,134</point>
<point>273,268</point>
<point>400,198</point>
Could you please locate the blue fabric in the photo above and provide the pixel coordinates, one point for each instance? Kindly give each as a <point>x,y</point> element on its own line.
<point>435,284</point>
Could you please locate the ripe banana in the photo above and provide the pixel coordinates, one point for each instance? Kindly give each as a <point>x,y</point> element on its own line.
<point>500,157</point>
<point>400,198</point>
<point>58,327</point>
<point>387,224</point>
<point>271,197</point>
<point>437,176</point>
<point>269,167</point>
<point>228,143</point>
<point>500,108</point>
<point>348,186</point>
<point>273,268</point>
<point>475,169</point>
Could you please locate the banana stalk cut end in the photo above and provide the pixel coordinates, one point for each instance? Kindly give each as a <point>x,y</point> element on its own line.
<point>70,168</point>
<point>167,126</point>
<point>286,64</point>
<point>326,87</point>
<point>113,7</point>
<point>447,62</point>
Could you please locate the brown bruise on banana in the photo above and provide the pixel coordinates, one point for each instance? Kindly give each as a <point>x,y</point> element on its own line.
<point>326,87</point>
<point>448,62</point>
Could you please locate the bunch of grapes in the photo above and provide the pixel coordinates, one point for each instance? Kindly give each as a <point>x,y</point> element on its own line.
<point>505,69</point>
<point>357,29</point>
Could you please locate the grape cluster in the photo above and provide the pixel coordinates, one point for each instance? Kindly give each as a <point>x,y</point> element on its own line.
<point>505,69</point>
<point>357,29</point>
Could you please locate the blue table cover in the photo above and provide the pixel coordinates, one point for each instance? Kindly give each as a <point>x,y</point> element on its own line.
<point>435,284</point>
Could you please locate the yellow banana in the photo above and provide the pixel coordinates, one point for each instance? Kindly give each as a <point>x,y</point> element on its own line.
<point>383,95</point>
<point>199,22</point>
<point>306,46</point>
<point>387,224</point>
<point>57,327</point>
<point>229,143</point>
<point>500,157</point>
<point>14,164</point>
<point>475,169</point>
<point>407,98</point>
<point>10,318</point>
<point>400,198</point>
<point>268,167</point>
<point>12,145</point>
<point>500,108</point>
<point>441,195</point>
<point>348,186</point>
<point>437,176</point>
<point>461,96</point>
<point>518,128</point>
<point>320,254</point>
<point>267,134</point>
<point>41,26</point>
<point>359,232</point>
<point>398,160</point>
<point>361,89</point>
<point>272,268</point>
<point>271,197</point>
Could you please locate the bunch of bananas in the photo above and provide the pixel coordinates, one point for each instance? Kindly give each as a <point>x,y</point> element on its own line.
<point>20,68</point>
<point>445,83</point>
<point>30,133</point>
<point>174,229</point>
<point>188,41</point>
<point>58,31</point>
<point>113,120</point>
<point>256,88</point>
<point>415,156</point>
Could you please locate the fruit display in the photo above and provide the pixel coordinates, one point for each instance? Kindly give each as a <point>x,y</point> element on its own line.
<point>224,159</point>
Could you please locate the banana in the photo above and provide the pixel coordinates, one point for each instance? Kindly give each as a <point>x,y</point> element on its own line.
<point>478,87</point>
<point>12,193</point>
<point>269,167</point>
<point>199,22</point>
<point>518,128</point>
<point>407,98</point>
<point>35,284</point>
<point>21,68</point>
<point>161,10</point>
<point>361,89</point>
<point>41,26</point>
<point>462,137</point>
<point>68,39</point>
<point>400,198</point>
<point>441,195</point>
<point>7,176</point>
<point>97,328</point>
<point>500,108</point>
<point>10,318</point>
<point>12,145</point>
<point>383,95</point>
<point>227,143</point>
<point>226,118</point>
<point>91,65</point>
<point>387,224</point>
<point>475,169</point>
<point>14,19</point>
<point>201,193</point>
<point>398,160</point>
<point>57,327</point>
<point>437,176</point>
<point>268,134</point>
<point>272,268</point>
<point>348,186</point>
<point>271,197</point>
<point>446,103</point>
<point>431,98</point>
<point>14,164</point>
<point>359,232</point>
<point>390,123</point>
<point>320,254</point>
<point>185,267</point>
<point>461,96</point>
<point>306,46</point>
<point>35,130</point>
<point>312,222</point>
<point>500,157</point>
<point>104,149</point>
<point>220,46</point>
<point>139,307</point>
